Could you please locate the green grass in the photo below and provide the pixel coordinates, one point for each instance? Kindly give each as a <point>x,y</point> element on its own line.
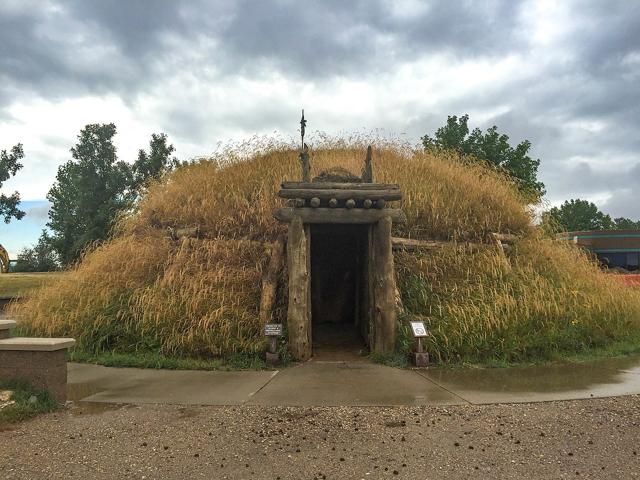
<point>395,359</point>
<point>545,301</point>
<point>615,349</point>
<point>20,284</point>
<point>23,408</point>
<point>156,360</point>
<point>628,346</point>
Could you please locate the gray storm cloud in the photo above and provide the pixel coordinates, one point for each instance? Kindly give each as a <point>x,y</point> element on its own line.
<point>577,98</point>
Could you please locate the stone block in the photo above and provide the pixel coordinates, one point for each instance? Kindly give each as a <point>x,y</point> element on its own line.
<point>420,359</point>
<point>272,358</point>
<point>46,369</point>
<point>5,328</point>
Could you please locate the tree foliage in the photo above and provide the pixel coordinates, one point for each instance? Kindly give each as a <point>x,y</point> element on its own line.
<point>154,164</point>
<point>88,192</point>
<point>622,223</point>
<point>94,187</point>
<point>9,166</point>
<point>575,215</point>
<point>39,258</point>
<point>493,148</point>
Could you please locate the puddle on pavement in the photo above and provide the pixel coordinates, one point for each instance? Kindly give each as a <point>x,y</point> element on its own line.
<point>543,378</point>
<point>77,391</point>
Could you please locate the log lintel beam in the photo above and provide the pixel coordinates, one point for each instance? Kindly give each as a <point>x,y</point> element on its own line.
<point>339,186</point>
<point>331,215</point>
<point>346,194</point>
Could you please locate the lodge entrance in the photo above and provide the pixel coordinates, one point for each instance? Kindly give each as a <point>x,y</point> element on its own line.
<point>341,280</point>
<point>340,290</point>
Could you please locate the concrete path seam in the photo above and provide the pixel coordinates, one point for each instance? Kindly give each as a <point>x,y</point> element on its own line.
<point>253,394</point>
<point>443,387</point>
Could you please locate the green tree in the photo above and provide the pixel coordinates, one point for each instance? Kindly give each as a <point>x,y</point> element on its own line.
<point>9,166</point>
<point>88,193</point>
<point>94,187</point>
<point>154,164</point>
<point>622,223</point>
<point>491,147</point>
<point>574,215</point>
<point>39,258</point>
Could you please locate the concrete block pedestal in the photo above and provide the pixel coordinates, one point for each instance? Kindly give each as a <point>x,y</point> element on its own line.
<point>272,358</point>
<point>41,362</point>
<point>5,328</point>
<point>420,359</point>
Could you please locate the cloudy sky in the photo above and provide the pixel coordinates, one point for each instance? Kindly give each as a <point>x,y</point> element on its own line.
<point>565,75</point>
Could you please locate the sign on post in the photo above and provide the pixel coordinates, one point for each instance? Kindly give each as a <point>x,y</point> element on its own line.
<point>273,329</point>
<point>420,358</point>
<point>419,330</point>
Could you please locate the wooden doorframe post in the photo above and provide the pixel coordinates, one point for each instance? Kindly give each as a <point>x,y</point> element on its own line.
<point>299,308</point>
<point>384,311</point>
<point>383,323</point>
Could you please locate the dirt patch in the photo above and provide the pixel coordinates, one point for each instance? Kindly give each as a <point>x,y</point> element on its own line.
<point>591,438</point>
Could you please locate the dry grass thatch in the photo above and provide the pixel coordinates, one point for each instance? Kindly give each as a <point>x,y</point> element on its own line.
<point>142,291</point>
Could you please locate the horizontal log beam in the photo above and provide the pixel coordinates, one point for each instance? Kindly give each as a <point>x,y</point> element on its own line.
<point>339,186</point>
<point>188,232</point>
<point>505,237</point>
<point>341,194</point>
<point>199,233</point>
<point>411,244</point>
<point>331,215</point>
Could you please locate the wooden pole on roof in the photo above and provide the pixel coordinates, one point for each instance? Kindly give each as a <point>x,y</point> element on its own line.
<point>367,171</point>
<point>304,152</point>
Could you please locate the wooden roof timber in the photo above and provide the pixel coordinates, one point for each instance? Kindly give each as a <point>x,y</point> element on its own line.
<point>326,194</point>
<point>339,215</point>
<point>339,186</point>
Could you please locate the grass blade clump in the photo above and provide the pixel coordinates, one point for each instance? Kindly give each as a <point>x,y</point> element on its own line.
<point>547,299</point>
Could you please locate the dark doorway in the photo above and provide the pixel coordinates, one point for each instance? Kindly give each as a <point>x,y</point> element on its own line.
<point>340,293</point>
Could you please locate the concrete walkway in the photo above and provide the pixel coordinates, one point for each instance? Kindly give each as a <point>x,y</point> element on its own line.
<point>355,384</point>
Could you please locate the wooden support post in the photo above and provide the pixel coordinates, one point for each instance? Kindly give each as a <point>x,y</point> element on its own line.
<point>385,286</point>
<point>270,281</point>
<point>309,317</point>
<point>370,289</point>
<point>298,318</point>
<point>367,171</point>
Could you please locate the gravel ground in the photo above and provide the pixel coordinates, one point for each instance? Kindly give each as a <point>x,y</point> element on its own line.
<point>597,438</point>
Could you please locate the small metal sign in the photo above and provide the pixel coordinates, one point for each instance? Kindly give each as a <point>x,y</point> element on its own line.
<point>419,329</point>
<point>273,329</point>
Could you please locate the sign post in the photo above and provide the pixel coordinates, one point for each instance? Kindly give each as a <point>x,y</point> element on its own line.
<point>272,331</point>
<point>420,357</point>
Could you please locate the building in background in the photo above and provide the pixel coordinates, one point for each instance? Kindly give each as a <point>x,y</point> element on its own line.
<point>614,248</point>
